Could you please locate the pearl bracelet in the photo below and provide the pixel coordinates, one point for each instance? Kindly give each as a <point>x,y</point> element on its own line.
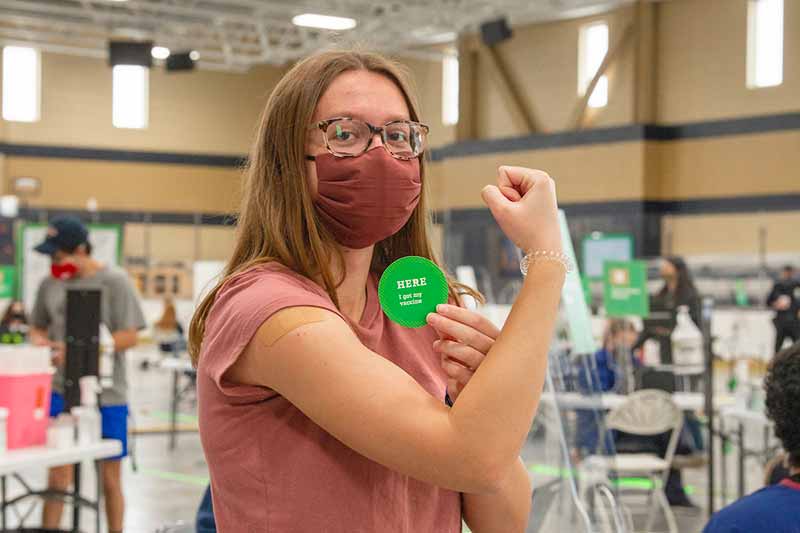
<point>545,255</point>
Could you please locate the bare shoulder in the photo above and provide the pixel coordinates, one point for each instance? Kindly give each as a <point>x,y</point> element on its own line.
<point>289,333</point>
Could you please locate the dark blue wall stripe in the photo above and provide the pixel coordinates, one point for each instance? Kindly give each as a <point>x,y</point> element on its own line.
<point>543,141</point>
<point>704,206</point>
<point>646,132</point>
<point>122,217</point>
<point>103,154</point>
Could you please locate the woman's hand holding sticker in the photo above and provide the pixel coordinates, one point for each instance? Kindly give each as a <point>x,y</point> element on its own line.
<point>465,339</point>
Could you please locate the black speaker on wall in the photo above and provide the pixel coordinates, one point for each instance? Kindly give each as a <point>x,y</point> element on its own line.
<point>130,53</point>
<point>495,31</point>
<point>180,62</point>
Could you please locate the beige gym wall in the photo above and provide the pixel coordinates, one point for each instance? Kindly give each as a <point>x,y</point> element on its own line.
<point>702,62</point>
<point>196,112</point>
<point>543,60</point>
<point>594,173</point>
<point>697,71</point>
<point>736,233</point>
<point>69,183</point>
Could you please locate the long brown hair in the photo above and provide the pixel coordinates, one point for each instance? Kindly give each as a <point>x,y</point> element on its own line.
<point>277,221</point>
<point>169,318</point>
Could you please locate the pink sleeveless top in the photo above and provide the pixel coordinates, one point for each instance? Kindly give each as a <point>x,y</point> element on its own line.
<point>273,469</point>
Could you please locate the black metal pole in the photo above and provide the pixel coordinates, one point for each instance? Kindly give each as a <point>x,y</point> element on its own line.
<point>708,307</point>
<point>3,502</point>
<point>76,495</point>
<point>742,455</point>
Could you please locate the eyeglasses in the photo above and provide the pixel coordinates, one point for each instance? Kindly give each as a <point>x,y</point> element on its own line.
<point>349,137</point>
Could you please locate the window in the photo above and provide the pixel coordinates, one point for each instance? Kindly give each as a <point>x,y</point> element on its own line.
<point>450,90</point>
<point>129,97</point>
<point>21,83</point>
<point>592,50</point>
<point>764,43</point>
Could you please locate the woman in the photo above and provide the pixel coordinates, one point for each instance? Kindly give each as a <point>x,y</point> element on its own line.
<point>168,335</point>
<point>316,412</point>
<point>169,331</point>
<point>608,372</point>
<point>678,290</point>
<point>14,325</point>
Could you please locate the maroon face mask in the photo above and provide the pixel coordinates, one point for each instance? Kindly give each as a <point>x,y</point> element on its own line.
<point>363,200</point>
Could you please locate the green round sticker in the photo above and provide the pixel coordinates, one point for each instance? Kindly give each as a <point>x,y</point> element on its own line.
<point>410,288</point>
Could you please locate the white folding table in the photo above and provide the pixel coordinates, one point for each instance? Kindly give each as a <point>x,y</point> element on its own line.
<point>13,462</point>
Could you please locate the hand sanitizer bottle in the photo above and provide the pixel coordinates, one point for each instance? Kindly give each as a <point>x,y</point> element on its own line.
<point>88,414</point>
<point>687,340</point>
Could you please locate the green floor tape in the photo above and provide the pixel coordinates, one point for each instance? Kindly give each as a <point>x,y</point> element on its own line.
<point>200,481</point>
<point>624,482</point>
<point>181,418</point>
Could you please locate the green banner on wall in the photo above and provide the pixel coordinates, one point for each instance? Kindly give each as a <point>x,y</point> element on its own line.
<point>625,288</point>
<point>8,281</point>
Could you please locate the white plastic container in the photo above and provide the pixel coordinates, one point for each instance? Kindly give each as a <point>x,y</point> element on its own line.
<point>87,420</point>
<point>687,340</point>
<point>651,353</point>
<point>26,377</point>
<point>106,361</point>
<point>87,415</point>
<point>61,432</point>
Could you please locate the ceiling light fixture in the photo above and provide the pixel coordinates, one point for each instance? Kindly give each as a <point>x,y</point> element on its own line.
<point>325,22</point>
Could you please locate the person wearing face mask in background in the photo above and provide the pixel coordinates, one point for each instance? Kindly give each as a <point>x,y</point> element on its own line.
<point>14,325</point>
<point>72,266</point>
<point>678,290</point>
<point>318,413</point>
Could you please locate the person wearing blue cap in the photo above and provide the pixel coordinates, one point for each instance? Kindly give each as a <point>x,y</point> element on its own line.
<point>72,266</point>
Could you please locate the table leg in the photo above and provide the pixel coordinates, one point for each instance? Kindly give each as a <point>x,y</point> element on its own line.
<point>99,496</point>
<point>174,411</point>
<point>3,502</point>
<point>76,506</point>
<point>723,470</point>
<point>741,460</point>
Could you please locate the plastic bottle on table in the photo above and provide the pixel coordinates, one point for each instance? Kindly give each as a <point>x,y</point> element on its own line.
<point>88,414</point>
<point>687,340</point>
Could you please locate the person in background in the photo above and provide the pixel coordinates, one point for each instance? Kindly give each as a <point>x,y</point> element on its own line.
<point>168,334</point>
<point>769,510</point>
<point>14,325</point>
<point>678,290</point>
<point>777,469</point>
<point>607,374</point>
<point>204,521</point>
<point>168,330</point>
<point>72,266</point>
<point>784,299</point>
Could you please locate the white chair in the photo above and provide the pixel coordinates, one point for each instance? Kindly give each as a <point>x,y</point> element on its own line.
<point>645,412</point>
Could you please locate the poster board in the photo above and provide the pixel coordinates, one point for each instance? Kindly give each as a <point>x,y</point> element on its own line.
<point>625,289</point>
<point>598,248</point>
<point>8,281</point>
<point>106,241</point>
<point>579,318</point>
